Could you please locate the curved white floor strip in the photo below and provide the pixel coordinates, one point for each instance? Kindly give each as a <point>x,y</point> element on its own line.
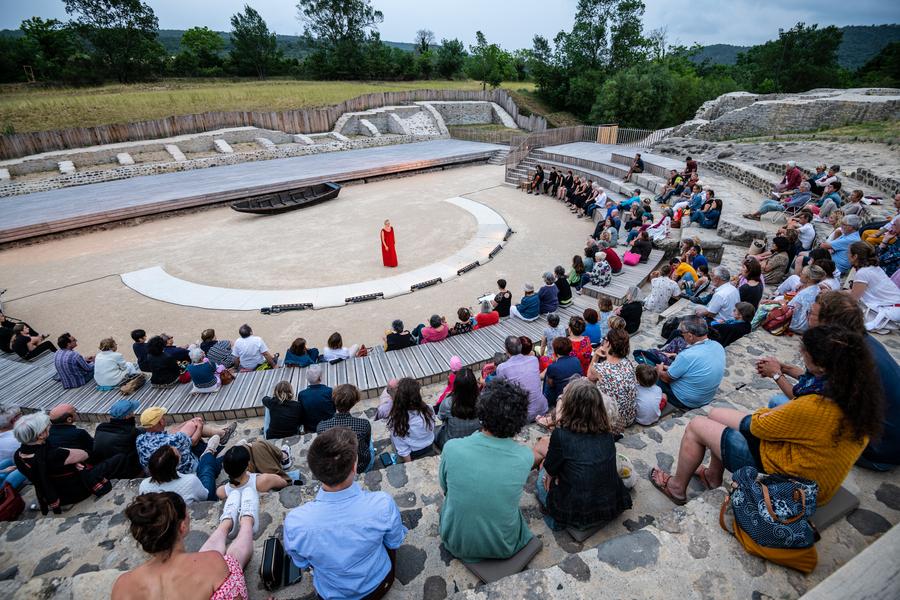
<point>159,285</point>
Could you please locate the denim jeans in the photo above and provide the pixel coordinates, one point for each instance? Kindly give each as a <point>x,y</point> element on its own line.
<point>770,206</point>
<point>14,477</point>
<point>371,464</point>
<point>207,471</point>
<point>540,493</point>
<point>266,420</point>
<point>777,400</point>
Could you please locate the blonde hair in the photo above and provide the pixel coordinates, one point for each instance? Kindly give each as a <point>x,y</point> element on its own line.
<point>284,392</point>
<point>107,344</point>
<point>616,322</point>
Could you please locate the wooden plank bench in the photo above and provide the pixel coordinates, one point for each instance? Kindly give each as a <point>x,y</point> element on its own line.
<point>636,275</point>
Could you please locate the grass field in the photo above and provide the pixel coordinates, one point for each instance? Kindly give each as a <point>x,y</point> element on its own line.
<point>35,109</point>
<point>885,132</point>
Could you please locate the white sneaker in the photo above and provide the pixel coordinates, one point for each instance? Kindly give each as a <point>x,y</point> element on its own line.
<point>232,510</point>
<point>250,505</point>
<point>212,445</point>
<point>287,459</point>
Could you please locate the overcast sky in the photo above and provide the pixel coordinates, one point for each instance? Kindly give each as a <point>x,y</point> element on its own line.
<point>513,23</point>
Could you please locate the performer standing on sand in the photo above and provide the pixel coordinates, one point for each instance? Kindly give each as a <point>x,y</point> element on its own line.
<point>388,251</point>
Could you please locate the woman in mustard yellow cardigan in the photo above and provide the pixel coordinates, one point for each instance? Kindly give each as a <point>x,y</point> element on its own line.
<point>818,435</point>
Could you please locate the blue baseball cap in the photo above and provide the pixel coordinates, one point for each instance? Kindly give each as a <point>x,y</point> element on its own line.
<point>123,408</point>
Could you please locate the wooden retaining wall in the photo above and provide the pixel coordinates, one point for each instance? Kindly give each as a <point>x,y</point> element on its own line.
<point>310,120</point>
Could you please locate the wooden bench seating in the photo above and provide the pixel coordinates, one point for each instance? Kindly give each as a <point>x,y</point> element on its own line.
<point>629,276</point>
<point>32,385</point>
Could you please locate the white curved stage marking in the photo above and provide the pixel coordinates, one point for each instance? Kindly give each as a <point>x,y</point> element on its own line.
<point>156,283</point>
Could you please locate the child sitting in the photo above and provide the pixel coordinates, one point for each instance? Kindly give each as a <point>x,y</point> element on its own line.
<point>650,398</point>
<point>455,366</point>
<point>550,333</point>
<point>606,311</point>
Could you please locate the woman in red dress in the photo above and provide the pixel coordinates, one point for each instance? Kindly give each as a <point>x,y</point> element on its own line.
<point>388,251</point>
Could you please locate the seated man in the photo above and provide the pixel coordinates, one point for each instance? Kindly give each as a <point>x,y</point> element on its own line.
<point>791,180</point>
<point>250,352</point>
<point>524,371</point>
<point>118,436</point>
<point>637,166</point>
<point>186,438</point>
<point>792,204</point>
<point>483,476</point>
<point>315,401</point>
<point>139,347</point>
<point>830,201</point>
<point>626,204</point>
<point>690,168</point>
<point>694,376</point>
<point>73,369</point>
<point>348,536</point>
<point>345,397</point>
<point>840,247</point>
<point>64,433</point>
<point>724,299</point>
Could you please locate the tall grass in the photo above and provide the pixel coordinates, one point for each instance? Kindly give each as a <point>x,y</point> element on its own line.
<point>35,109</point>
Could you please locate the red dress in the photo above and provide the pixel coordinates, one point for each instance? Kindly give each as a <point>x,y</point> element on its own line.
<point>389,256</point>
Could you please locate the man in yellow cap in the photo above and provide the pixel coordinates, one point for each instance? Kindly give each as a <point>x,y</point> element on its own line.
<point>64,433</point>
<point>186,438</point>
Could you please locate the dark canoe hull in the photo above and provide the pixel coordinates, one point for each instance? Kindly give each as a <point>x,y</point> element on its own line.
<point>281,202</point>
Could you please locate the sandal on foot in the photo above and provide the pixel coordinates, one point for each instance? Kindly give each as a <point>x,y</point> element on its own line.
<point>229,430</point>
<point>664,485</point>
<point>701,474</point>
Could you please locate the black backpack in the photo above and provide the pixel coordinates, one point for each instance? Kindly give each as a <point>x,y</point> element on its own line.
<point>276,569</point>
<point>669,327</point>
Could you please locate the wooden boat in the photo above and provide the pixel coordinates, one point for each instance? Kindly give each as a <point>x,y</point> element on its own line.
<point>279,202</point>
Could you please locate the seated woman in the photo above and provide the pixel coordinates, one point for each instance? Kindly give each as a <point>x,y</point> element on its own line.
<point>298,355</point>
<point>664,291</point>
<point>465,324</point>
<point>217,351</point>
<point>457,411</point>
<point>487,317</point>
<point>534,185</point>
<point>578,275</point>
<point>502,300</point>
<point>29,346</point>
<point>632,309</point>
<point>602,274</point>
<point>560,371</point>
<point>398,338</point>
<point>436,330</point>
<point>775,266</point>
<point>874,289</point>
<point>660,230</point>
<point>411,422</point>
<point>810,278</point>
<point>204,375</point>
<point>750,285</point>
<point>257,466</point>
<point>564,290</point>
<point>614,375</point>
<point>336,351</point>
<point>578,482</point>
<point>58,474</point>
<point>110,368</point>
<point>782,440</point>
<point>581,344</point>
<point>164,475</point>
<point>642,246</point>
<point>160,523</point>
<point>282,419</point>
<point>163,367</point>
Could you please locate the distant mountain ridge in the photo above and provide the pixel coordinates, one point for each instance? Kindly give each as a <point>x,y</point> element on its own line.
<point>859,44</point>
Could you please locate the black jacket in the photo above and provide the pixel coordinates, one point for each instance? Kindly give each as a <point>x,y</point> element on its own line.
<point>118,436</point>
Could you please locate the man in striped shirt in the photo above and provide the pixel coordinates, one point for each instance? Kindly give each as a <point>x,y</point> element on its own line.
<point>73,369</point>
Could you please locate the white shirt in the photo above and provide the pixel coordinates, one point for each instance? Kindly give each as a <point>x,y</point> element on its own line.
<point>249,351</point>
<point>110,368</point>
<point>8,445</point>
<point>331,354</point>
<point>723,301</point>
<point>188,487</point>
<point>661,290</point>
<point>648,404</point>
<point>807,234</point>
<point>880,290</point>
<point>419,436</point>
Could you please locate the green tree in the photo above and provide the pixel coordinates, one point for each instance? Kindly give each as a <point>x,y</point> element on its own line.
<point>883,70</point>
<point>122,34</point>
<point>337,31</point>
<point>424,39</point>
<point>802,58</point>
<point>254,50</point>
<point>489,63</point>
<point>451,57</point>
<point>57,53</point>
<point>200,52</point>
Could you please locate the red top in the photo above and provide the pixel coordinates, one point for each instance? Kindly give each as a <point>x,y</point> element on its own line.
<point>613,259</point>
<point>485,319</point>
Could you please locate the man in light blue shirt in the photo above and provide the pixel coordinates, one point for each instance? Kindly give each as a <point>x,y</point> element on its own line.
<point>694,376</point>
<point>840,248</point>
<point>348,536</point>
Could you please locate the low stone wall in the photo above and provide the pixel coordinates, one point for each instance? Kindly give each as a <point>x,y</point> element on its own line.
<point>96,176</point>
<point>886,185</point>
<point>745,178</point>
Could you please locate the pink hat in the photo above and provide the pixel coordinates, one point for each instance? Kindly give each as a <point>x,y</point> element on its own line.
<point>455,363</point>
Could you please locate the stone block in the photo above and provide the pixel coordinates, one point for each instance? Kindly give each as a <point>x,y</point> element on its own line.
<point>4,175</point>
<point>742,230</point>
<point>66,167</point>
<point>222,146</point>
<point>124,159</point>
<point>265,143</point>
<point>176,153</point>
<point>339,136</point>
<point>300,138</point>
<point>366,127</point>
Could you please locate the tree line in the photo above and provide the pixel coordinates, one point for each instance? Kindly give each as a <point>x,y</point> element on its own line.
<point>606,68</point>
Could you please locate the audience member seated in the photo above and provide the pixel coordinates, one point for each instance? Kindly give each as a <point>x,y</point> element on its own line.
<point>258,466</point>
<point>139,347</point>
<point>503,299</point>
<point>64,433</point>
<point>164,475</point>
<point>642,246</point>
<point>72,369</point>
<point>558,374</point>
<point>299,356</point>
<point>179,353</point>
<point>316,404</point>
<point>58,474</point>
<point>436,331</point>
<point>282,419</point>
<point>411,422</point>
<point>528,309</point>
<point>579,275</point>
<point>614,375</point>
<point>164,368</point>
<point>855,206</point>
<point>457,411</point>
<point>871,286</point>
<point>204,374</point>
<point>724,299</point>
<point>791,180</point>
<point>483,476</point>
<point>524,371</point>
<point>817,436</point>
<point>218,352</point>
<point>564,290</point>
<point>534,185</point>
<point>29,346</point>
<point>664,291</point>
<point>548,294</point>
<point>186,438</point>
<point>487,317</point>
<point>345,397</point>
<point>632,309</point>
<point>160,523</point>
<point>792,204</point>
<point>650,398</point>
<point>592,327</point>
<point>750,285</point>
<point>8,446</point>
<point>693,378</point>
<point>884,234</point>
<point>336,351</point>
<point>637,166</point>
<point>840,247</point>
<point>398,338</point>
<point>731,330</point>
<point>660,230</point>
<point>118,436</point>
<point>111,370</point>
<point>251,353</point>
<point>829,202</point>
<point>601,275</point>
<point>6,333</point>
<point>578,480</point>
<point>348,536</point>
<point>708,215</point>
<point>775,265</point>
<point>465,323</point>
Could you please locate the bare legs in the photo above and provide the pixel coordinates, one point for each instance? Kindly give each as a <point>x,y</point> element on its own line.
<point>242,546</point>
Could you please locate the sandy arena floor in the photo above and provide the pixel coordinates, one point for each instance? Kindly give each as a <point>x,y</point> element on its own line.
<point>73,284</point>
